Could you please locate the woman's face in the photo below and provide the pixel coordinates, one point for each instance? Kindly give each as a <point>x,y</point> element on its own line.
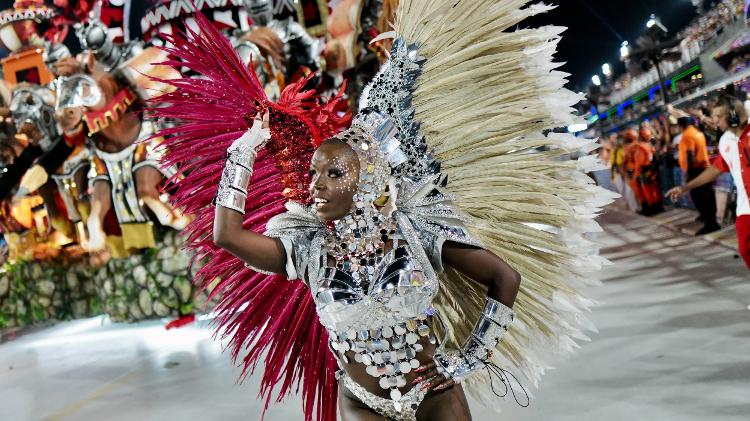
<point>334,172</point>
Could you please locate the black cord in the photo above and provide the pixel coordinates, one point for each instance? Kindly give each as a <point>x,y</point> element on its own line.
<point>505,377</point>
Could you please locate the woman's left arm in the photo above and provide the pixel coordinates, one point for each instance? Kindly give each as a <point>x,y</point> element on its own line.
<point>503,283</point>
<point>484,267</point>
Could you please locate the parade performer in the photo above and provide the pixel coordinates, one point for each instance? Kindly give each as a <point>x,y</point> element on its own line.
<point>392,251</point>
<point>350,53</point>
<point>62,166</point>
<point>299,55</point>
<point>98,103</point>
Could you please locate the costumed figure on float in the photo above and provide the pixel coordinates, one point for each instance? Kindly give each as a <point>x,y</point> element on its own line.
<point>379,266</point>
<point>59,175</point>
<point>289,52</point>
<point>34,32</point>
<point>353,51</point>
<point>99,99</point>
<point>59,114</point>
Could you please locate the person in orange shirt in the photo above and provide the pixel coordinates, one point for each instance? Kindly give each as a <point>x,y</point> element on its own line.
<point>619,176</point>
<point>643,177</point>
<point>693,157</point>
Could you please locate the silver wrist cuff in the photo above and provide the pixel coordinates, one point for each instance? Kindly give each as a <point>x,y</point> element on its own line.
<point>231,199</point>
<point>493,324</point>
<point>232,191</point>
<point>477,349</point>
<point>237,176</point>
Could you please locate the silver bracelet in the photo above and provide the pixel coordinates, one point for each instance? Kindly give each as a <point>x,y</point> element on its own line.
<point>232,192</point>
<point>478,348</point>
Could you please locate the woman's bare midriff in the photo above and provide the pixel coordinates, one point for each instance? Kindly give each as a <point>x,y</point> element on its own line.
<point>357,371</point>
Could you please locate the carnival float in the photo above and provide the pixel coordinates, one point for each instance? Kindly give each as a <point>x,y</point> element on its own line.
<point>85,214</point>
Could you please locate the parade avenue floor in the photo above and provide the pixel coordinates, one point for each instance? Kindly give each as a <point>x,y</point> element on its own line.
<point>673,344</point>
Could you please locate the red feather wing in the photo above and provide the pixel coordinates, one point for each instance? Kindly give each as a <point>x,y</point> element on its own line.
<point>263,316</point>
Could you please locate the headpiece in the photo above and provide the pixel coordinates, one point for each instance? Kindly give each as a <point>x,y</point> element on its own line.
<point>31,104</point>
<point>374,137</point>
<point>77,91</point>
<point>94,36</point>
<point>391,93</point>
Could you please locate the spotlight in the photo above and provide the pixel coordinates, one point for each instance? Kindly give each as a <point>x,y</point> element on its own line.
<point>625,50</point>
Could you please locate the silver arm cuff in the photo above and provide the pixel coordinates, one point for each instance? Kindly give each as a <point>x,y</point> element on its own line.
<point>478,348</point>
<point>231,199</point>
<point>232,191</point>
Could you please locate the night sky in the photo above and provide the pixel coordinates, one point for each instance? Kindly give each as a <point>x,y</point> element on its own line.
<point>596,29</point>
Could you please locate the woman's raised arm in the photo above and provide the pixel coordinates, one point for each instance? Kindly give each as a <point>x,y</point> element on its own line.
<point>259,251</point>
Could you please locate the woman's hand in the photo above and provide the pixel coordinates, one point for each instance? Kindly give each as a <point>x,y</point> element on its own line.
<point>254,138</point>
<point>435,380</point>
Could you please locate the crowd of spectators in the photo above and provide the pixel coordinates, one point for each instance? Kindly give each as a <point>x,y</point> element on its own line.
<point>695,38</point>
<point>712,23</point>
<point>739,63</point>
<point>648,159</point>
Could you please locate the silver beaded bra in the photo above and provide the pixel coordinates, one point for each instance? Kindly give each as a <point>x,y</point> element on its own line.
<point>402,285</point>
<point>400,291</point>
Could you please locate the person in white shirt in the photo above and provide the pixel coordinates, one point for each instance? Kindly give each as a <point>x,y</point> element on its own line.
<point>734,149</point>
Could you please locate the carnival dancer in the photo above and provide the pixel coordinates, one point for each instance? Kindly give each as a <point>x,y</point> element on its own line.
<point>392,252</point>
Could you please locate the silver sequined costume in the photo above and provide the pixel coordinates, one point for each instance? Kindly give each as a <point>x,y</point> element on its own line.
<point>380,307</point>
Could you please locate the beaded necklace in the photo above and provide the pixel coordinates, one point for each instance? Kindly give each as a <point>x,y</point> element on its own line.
<point>357,240</point>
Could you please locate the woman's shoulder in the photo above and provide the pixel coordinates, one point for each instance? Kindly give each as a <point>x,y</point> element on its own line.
<point>297,220</point>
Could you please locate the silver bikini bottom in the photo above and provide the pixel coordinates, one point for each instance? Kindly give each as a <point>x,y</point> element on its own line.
<point>404,409</point>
